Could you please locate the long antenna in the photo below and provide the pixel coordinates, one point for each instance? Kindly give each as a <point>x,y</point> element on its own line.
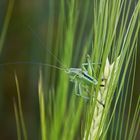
<point>43,45</point>
<point>29,63</point>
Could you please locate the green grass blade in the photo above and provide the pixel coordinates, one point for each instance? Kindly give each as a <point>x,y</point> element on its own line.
<point>135,121</point>
<point>24,130</point>
<point>17,121</point>
<point>42,110</point>
<point>6,23</point>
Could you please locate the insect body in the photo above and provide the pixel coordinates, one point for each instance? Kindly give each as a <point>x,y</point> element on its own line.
<point>83,82</point>
<point>83,76</point>
<point>83,79</point>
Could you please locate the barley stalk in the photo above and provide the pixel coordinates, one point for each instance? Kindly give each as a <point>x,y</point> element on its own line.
<point>102,93</point>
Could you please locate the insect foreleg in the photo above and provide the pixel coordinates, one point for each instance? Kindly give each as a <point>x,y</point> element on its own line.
<point>73,78</point>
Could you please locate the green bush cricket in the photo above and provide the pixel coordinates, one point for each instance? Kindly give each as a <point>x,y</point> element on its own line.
<point>79,76</point>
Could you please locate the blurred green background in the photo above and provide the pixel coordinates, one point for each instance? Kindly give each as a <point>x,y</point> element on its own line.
<point>25,36</point>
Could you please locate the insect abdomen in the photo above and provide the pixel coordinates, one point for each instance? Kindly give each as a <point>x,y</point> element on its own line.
<point>89,79</point>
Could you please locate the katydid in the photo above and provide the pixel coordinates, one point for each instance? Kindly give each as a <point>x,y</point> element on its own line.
<point>79,76</point>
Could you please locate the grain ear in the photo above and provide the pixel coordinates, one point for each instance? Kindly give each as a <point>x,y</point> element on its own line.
<point>107,69</point>
<point>116,63</point>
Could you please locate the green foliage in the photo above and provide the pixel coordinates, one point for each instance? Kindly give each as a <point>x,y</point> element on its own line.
<point>102,29</point>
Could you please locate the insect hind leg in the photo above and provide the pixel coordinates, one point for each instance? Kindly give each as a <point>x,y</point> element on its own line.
<point>78,88</point>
